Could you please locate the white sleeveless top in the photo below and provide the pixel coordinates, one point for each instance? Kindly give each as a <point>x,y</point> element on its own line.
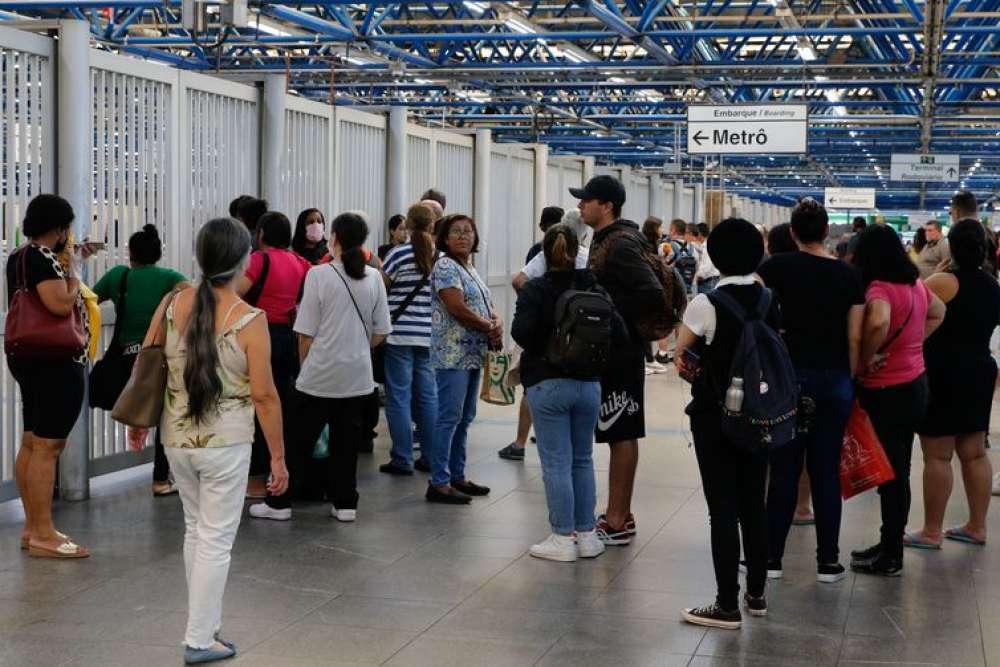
<point>231,423</point>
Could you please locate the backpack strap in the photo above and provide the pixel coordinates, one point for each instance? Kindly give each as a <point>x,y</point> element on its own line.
<point>722,298</point>
<point>120,307</point>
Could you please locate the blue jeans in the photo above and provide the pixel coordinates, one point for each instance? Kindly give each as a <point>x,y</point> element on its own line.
<point>833,393</point>
<point>565,414</point>
<point>457,392</point>
<point>411,394</point>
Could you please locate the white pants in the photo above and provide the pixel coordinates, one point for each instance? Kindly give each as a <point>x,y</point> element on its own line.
<point>212,485</point>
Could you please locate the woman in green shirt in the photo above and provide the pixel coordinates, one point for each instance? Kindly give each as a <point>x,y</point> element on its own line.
<point>145,286</point>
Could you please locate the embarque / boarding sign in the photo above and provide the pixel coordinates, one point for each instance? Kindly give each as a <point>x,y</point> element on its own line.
<point>753,129</point>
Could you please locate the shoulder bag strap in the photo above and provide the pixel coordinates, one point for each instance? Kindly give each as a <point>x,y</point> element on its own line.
<point>162,328</point>
<point>120,307</point>
<point>351,294</point>
<point>398,311</point>
<point>719,297</point>
<point>253,294</point>
<point>482,292</point>
<point>892,339</point>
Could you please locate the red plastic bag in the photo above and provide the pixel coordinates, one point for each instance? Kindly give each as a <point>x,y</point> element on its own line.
<point>863,463</point>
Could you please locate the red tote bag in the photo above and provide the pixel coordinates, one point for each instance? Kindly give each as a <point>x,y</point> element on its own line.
<point>863,463</point>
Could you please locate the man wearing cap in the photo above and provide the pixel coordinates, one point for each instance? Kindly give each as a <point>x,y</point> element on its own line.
<point>616,258</point>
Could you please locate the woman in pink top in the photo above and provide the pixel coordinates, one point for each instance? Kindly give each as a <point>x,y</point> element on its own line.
<point>273,283</point>
<point>899,314</point>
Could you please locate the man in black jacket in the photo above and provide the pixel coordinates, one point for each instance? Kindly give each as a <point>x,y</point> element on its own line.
<point>616,259</point>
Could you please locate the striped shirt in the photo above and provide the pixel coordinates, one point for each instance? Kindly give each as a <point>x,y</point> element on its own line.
<point>413,326</point>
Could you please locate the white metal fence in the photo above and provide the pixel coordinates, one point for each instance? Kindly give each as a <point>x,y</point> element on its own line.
<point>361,168</point>
<point>308,173</point>
<point>27,168</point>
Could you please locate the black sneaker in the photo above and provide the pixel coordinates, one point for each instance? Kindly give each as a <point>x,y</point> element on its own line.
<point>830,573</point>
<point>774,570</point>
<point>662,358</point>
<point>392,468</point>
<point>879,566</point>
<point>471,488</point>
<point>422,464</point>
<point>450,497</point>
<point>866,554</point>
<point>713,616</point>
<point>512,453</point>
<point>755,606</point>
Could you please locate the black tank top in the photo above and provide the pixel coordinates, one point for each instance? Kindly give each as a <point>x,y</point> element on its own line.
<point>963,339</point>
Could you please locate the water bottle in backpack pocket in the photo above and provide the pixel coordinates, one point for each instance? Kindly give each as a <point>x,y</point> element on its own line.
<point>760,403</point>
<point>581,342</point>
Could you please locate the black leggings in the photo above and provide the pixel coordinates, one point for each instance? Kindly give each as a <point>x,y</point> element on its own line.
<point>895,413</point>
<point>307,415</point>
<point>734,483</point>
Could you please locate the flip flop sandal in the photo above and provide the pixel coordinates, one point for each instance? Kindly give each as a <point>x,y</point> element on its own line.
<point>959,534</point>
<point>169,491</point>
<point>64,550</point>
<point>26,542</point>
<point>914,542</point>
<point>804,521</point>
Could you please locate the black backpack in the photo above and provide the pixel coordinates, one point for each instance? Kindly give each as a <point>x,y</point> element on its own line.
<point>767,418</point>
<point>686,263</point>
<point>581,342</point>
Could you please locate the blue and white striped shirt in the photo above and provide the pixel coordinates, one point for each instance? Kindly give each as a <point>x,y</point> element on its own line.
<point>413,327</point>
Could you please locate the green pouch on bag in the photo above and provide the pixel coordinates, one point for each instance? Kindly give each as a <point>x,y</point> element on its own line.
<point>321,449</point>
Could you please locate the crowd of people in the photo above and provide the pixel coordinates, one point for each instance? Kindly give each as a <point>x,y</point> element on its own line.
<point>275,354</point>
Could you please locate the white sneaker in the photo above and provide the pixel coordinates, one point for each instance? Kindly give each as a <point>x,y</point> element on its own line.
<point>555,547</point>
<point>996,484</point>
<point>263,511</point>
<point>344,515</point>
<point>656,367</point>
<point>589,545</point>
<point>649,371</point>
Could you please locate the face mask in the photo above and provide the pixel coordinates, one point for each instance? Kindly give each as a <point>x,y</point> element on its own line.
<point>314,232</point>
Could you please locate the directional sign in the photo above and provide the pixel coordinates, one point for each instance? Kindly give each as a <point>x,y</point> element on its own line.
<point>758,129</point>
<point>915,167</point>
<point>850,198</point>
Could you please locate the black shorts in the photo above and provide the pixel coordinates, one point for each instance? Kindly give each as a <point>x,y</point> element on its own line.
<point>51,395</point>
<point>622,414</point>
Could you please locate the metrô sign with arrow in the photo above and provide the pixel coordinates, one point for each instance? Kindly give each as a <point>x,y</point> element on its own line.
<point>756,129</point>
<point>925,168</point>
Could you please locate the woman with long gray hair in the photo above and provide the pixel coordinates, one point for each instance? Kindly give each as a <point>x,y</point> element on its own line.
<point>218,373</point>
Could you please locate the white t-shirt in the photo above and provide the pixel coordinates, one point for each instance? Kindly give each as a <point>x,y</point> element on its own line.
<point>339,363</point>
<point>700,314</point>
<point>537,267</point>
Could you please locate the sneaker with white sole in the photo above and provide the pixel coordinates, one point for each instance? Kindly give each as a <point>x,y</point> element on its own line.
<point>830,573</point>
<point>265,511</point>
<point>655,367</point>
<point>618,537</point>
<point>713,616</point>
<point>588,544</point>
<point>996,484</point>
<point>346,516</point>
<point>560,548</point>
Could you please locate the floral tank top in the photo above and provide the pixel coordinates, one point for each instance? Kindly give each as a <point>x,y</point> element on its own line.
<point>232,422</point>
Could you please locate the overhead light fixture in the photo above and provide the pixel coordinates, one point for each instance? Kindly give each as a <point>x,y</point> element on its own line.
<point>806,51</point>
<point>520,25</point>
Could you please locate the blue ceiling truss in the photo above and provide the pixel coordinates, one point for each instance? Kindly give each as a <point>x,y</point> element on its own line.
<point>612,79</point>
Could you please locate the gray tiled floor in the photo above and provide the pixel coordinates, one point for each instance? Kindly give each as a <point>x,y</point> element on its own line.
<point>412,584</point>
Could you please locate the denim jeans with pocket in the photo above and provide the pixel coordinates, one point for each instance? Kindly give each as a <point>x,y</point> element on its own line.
<point>564,412</point>
<point>833,393</point>
<point>411,395</point>
<point>457,392</point>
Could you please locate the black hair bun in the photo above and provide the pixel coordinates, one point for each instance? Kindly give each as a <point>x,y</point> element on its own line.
<point>151,230</point>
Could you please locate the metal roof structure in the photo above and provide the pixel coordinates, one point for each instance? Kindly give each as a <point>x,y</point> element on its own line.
<point>613,79</point>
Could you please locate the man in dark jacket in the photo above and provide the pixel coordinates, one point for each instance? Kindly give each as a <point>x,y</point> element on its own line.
<point>616,259</point>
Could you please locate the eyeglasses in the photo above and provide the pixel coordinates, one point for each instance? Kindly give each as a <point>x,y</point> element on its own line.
<point>461,233</point>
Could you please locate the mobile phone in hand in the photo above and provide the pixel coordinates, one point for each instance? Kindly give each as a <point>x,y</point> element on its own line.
<point>691,366</point>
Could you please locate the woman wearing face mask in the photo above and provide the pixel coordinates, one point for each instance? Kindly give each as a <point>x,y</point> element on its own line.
<point>309,240</point>
<point>51,390</point>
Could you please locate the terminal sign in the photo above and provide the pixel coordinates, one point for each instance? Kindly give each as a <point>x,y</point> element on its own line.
<point>925,168</point>
<point>850,198</point>
<point>748,129</point>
